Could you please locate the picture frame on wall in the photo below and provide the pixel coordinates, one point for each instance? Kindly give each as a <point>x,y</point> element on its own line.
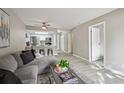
<point>4,29</point>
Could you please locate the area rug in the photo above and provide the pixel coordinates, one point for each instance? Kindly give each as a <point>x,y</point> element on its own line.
<point>46,78</point>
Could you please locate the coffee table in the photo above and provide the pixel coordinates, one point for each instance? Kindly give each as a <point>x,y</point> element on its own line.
<point>58,80</point>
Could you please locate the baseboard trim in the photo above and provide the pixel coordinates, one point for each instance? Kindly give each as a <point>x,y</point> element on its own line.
<point>114,71</point>
<point>80,57</point>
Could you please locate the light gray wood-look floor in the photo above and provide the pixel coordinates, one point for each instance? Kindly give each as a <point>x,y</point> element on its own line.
<point>92,73</point>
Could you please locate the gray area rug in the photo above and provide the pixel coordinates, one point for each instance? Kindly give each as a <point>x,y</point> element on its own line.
<point>46,78</point>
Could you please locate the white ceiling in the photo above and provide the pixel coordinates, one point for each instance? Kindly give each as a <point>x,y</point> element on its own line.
<point>63,18</point>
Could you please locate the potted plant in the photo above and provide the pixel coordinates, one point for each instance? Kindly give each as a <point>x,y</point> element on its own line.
<point>64,63</point>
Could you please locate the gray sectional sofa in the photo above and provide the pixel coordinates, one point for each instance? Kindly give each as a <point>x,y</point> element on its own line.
<point>27,73</point>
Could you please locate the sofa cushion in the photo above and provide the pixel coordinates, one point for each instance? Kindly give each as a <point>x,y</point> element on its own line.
<point>8,77</point>
<point>8,62</point>
<point>27,57</point>
<point>44,63</point>
<point>18,58</point>
<point>47,59</point>
<point>42,66</point>
<point>27,72</point>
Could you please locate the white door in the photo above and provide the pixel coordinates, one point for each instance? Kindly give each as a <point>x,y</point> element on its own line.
<point>95,37</point>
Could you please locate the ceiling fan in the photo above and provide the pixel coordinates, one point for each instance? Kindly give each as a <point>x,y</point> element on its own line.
<point>45,25</point>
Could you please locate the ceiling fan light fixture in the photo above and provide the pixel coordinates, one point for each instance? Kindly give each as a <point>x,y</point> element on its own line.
<point>44,27</point>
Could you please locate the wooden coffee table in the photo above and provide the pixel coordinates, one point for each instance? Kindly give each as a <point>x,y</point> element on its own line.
<point>57,78</point>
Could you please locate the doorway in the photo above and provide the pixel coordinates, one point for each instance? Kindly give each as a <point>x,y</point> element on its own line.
<point>97,43</point>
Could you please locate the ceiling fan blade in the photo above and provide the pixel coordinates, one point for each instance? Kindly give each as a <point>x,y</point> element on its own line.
<point>48,25</point>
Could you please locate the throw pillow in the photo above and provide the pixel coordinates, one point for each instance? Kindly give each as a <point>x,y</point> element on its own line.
<point>27,57</point>
<point>32,51</point>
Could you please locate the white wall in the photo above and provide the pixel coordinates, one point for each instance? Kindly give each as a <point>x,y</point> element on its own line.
<point>64,41</point>
<point>114,39</point>
<point>80,41</point>
<point>58,41</point>
<point>17,34</point>
<point>69,43</point>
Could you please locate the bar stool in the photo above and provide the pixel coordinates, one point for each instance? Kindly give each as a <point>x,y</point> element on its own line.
<point>42,52</point>
<point>50,50</point>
